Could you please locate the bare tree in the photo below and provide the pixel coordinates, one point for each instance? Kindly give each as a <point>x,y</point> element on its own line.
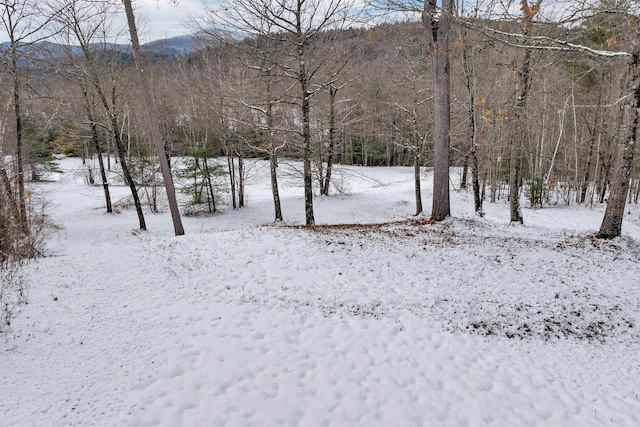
<point>438,27</point>
<point>79,19</point>
<point>436,19</point>
<point>612,221</point>
<point>153,123</point>
<point>24,22</point>
<point>292,25</point>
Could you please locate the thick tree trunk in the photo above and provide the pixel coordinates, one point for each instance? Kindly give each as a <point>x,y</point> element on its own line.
<point>153,124</point>
<point>438,30</point>
<point>612,222</point>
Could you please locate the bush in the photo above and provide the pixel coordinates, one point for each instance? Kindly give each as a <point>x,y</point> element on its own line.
<point>16,246</point>
<point>12,292</point>
<point>202,182</point>
<point>537,192</point>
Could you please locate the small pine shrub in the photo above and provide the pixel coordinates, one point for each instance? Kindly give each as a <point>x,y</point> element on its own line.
<point>537,192</point>
<point>202,182</point>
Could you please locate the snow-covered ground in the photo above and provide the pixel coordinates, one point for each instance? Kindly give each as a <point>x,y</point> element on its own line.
<point>470,322</point>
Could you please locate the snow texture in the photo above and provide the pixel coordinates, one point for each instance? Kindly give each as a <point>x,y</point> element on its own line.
<point>373,318</point>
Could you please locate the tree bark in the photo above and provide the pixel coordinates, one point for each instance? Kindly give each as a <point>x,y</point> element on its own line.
<point>11,200</point>
<point>333,91</point>
<point>438,31</point>
<point>612,222</point>
<point>96,144</point>
<point>273,153</point>
<point>515,161</point>
<point>153,123</point>
<point>303,79</point>
<point>17,109</point>
<point>469,74</point>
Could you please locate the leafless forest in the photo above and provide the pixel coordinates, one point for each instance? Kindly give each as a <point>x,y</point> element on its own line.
<point>538,99</point>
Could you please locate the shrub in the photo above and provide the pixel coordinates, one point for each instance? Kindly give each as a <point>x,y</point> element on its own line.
<point>537,192</point>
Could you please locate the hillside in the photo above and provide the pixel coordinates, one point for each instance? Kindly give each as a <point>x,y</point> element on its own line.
<point>391,322</point>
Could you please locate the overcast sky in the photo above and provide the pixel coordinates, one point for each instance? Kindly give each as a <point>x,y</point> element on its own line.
<point>159,19</point>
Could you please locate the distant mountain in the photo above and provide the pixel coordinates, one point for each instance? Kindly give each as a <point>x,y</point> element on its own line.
<point>173,46</point>
<point>169,47</point>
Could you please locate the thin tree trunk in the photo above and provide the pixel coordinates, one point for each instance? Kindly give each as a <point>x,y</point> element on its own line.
<point>417,183</point>
<point>209,184</point>
<point>417,151</point>
<point>468,71</point>
<point>96,143</point>
<point>126,174</point>
<point>17,108</point>
<point>273,152</point>
<point>587,172</point>
<point>306,130</point>
<point>241,172</point>
<point>273,167</point>
<point>332,138</point>
<point>232,178</point>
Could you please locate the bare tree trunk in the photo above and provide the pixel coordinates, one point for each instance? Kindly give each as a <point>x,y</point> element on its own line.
<point>332,139</point>
<point>11,200</point>
<point>438,30</point>
<point>417,153</point>
<point>465,173</point>
<point>612,222</point>
<point>468,71</point>
<point>273,165</point>
<point>212,204</point>
<point>587,172</point>
<point>417,186</point>
<point>241,172</point>
<point>126,174</point>
<point>153,123</point>
<point>524,86</point>
<point>232,178</point>
<point>17,108</point>
<point>96,143</point>
<point>514,183</point>
<point>273,153</point>
<point>303,79</point>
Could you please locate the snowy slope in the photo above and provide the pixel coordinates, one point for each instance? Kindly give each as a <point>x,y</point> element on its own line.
<point>242,322</point>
